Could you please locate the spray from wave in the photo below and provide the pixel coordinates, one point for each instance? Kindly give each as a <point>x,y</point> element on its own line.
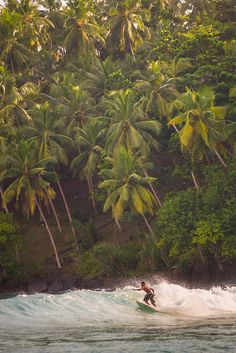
<point>90,306</point>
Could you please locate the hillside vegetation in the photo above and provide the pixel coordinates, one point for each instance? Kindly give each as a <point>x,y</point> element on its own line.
<point>117,138</point>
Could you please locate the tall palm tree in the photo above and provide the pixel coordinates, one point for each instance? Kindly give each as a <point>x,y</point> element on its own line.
<point>126,27</point>
<point>175,68</point>
<point>13,52</point>
<point>159,89</point>
<point>28,186</point>
<point>90,140</point>
<point>129,126</point>
<point>72,103</point>
<point>51,142</point>
<point>96,79</point>
<point>81,30</point>
<point>201,123</point>
<point>126,187</point>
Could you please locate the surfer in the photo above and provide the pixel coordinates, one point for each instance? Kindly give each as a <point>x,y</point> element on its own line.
<point>149,293</point>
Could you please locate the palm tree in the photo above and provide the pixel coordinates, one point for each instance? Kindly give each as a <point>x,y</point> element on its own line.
<point>129,126</point>
<point>35,25</point>
<point>96,79</point>
<point>44,130</point>
<point>81,29</point>
<point>126,187</point>
<point>72,104</point>
<point>27,182</point>
<point>201,123</point>
<point>158,88</point>
<point>175,68</point>
<point>90,140</point>
<point>126,27</point>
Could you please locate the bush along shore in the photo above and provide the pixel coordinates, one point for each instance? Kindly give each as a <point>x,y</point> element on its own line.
<point>117,142</point>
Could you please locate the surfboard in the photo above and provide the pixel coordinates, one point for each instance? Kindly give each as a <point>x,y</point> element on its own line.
<point>146,307</point>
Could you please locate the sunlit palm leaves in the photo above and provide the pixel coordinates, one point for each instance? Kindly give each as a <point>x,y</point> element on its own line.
<point>201,122</point>
<point>126,28</point>
<point>126,187</point>
<point>129,125</point>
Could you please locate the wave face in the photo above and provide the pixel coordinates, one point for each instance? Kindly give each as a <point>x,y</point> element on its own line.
<point>95,315</point>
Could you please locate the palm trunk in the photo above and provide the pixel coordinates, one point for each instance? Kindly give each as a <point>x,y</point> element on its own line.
<point>66,206</point>
<point>194,180</point>
<point>5,207</point>
<point>153,190</point>
<point>221,159</point>
<point>153,235</point>
<point>54,212</point>
<point>49,233</point>
<point>118,225</point>
<point>90,186</point>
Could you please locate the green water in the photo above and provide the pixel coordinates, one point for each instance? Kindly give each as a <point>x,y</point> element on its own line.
<point>86,321</point>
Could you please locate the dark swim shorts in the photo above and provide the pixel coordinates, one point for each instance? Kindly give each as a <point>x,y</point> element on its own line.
<point>149,296</point>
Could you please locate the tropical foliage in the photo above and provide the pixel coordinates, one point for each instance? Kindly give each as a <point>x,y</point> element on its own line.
<point>133,98</point>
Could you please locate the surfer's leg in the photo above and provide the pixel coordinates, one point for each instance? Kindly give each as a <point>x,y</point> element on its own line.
<point>146,298</point>
<point>152,300</point>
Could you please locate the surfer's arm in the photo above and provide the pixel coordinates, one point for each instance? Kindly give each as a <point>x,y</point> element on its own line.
<point>152,290</point>
<point>137,289</point>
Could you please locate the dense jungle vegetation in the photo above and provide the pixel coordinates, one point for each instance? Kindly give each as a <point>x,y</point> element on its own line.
<point>137,100</point>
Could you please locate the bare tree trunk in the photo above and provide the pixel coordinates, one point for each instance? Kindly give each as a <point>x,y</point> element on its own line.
<point>194,180</point>
<point>49,232</point>
<point>66,207</point>
<point>153,190</point>
<point>5,207</point>
<point>118,225</point>
<point>54,212</point>
<point>221,159</point>
<point>153,235</point>
<point>90,186</point>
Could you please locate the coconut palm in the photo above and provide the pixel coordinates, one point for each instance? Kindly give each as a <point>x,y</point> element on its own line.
<point>51,142</point>
<point>129,126</point>
<point>126,27</point>
<point>90,140</point>
<point>72,103</point>
<point>201,123</point>
<point>81,29</point>
<point>96,79</point>
<point>28,186</point>
<point>126,187</point>
<point>175,68</point>
<point>158,88</point>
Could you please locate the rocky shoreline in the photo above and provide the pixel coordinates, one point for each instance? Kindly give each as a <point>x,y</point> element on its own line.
<point>63,283</point>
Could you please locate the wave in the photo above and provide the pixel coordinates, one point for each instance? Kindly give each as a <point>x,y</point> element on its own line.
<point>87,306</point>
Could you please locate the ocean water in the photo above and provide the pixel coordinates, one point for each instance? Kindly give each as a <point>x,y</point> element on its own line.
<point>84,321</point>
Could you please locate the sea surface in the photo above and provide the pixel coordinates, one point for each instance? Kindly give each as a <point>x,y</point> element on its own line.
<point>84,321</point>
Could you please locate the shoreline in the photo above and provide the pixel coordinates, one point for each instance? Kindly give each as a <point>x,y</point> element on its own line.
<point>62,284</point>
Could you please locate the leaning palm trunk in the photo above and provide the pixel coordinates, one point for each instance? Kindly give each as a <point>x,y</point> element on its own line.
<point>90,186</point>
<point>5,207</point>
<point>153,235</point>
<point>54,212</point>
<point>49,232</point>
<point>221,159</point>
<point>66,206</point>
<point>153,190</point>
<point>194,180</point>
